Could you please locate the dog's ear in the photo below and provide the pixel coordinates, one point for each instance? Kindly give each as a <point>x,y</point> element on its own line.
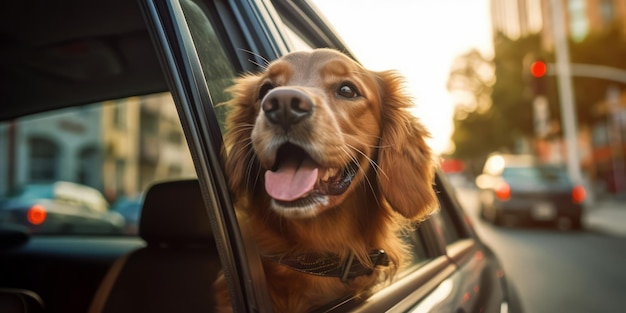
<point>406,165</point>
<point>240,166</point>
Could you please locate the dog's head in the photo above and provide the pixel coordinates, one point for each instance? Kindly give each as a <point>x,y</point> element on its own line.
<point>316,128</point>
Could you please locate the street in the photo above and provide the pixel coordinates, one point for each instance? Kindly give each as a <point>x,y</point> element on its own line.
<point>557,271</point>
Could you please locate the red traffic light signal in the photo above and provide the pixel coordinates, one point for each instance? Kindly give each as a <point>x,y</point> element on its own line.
<point>538,69</point>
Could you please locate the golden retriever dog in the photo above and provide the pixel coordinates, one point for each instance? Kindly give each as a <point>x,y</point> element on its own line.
<point>326,165</point>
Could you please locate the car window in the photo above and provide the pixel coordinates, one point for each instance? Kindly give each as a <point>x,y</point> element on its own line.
<point>445,226</point>
<point>418,253</point>
<point>89,157</point>
<point>34,191</point>
<point>536,174</point>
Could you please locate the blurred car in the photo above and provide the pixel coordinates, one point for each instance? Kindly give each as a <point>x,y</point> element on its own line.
<point>454,169</point>
<point>130,209</point>
<point>60,208</point>
<point>517,189</point>
<point>103,90</point>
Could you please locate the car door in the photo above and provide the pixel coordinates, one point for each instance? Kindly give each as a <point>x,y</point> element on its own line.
<point>202,46</point>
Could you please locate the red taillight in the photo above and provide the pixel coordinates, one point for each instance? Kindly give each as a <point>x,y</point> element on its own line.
<point>503,191</point>
<point>36,214</point>
<point>579,194</point>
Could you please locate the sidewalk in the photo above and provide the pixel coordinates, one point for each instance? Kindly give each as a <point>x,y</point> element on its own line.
<point>606,215</point>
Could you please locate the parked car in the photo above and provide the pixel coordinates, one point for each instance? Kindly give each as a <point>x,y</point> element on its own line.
<point>124,96</point>
<point>60,208</point>
<point>518,189</point>
<point>130,209</point>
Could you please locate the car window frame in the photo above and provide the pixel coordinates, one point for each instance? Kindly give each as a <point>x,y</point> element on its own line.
<point>168,28</point>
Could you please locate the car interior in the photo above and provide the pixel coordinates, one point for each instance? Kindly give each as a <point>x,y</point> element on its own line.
<point>66,53</point>
<point>179,260</point>
<point>61,54</point>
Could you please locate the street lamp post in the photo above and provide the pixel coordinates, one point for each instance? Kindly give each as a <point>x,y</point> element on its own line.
<point>566,92</point>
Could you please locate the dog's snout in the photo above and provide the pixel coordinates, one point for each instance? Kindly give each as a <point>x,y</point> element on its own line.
<point>286,107</point>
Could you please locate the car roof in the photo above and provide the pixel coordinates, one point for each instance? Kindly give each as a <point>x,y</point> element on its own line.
<point>52,49</point>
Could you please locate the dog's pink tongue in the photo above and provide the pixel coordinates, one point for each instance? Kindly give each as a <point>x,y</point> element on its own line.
<point>292,180</point>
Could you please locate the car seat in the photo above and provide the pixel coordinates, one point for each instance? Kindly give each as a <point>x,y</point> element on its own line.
<point>14,300</point>
<point>175,271</point>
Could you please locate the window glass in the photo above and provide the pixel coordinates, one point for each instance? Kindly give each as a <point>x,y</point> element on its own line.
<point>77,166</point>
<point>417,249</point>
<point>537,175</point>
<point>216,66</point>
<point>297,42</point>
<point>445,226</point>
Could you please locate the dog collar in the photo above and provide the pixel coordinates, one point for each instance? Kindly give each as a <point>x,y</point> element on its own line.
<point>331,265</point>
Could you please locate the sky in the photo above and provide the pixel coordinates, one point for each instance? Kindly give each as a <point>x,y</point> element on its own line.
<point>418,38</point>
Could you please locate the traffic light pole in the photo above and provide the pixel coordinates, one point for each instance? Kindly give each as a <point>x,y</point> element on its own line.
<point>566,91</point>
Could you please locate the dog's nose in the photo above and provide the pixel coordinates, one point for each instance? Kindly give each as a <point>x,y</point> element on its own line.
<point>286,107</point>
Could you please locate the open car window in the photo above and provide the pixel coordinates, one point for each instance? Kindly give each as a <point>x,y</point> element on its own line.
<point>426,244</point>
<point>83,170</point>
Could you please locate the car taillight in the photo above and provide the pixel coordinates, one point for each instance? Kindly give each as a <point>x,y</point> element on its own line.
<point>579,194</point>
<point>503,191</point>
<point>36,214</point>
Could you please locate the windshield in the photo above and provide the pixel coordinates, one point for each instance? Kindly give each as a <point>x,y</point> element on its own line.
<point>94,162</point>
<point>531,175</point>
<point>35,192</point>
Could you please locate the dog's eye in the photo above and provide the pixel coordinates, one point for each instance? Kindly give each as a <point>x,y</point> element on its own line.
<point>347,90</point>
<point>265,88</point>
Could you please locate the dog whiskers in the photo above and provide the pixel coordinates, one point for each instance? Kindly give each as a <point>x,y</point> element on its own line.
<point>375,166</point>
<point>265,61</point>
<point>240,128</point>
<point>360,141</point>
<point>250,168</point>
<point>356,161</point>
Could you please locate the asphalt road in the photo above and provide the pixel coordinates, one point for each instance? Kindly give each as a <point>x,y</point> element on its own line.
<point>558,271</point>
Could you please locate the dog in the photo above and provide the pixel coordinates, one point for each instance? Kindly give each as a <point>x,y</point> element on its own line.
<point>326,165</point>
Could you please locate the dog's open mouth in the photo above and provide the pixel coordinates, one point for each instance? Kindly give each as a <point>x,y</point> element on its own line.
<point>296,176</point>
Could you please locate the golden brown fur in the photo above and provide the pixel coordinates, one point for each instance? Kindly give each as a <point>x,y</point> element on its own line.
<point>366,124</point>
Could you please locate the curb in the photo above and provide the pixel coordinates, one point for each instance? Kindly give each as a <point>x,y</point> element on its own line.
<point>606,217</point>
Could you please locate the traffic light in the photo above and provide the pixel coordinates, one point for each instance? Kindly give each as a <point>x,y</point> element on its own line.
<point>538,70</point>
<point>535,70</point>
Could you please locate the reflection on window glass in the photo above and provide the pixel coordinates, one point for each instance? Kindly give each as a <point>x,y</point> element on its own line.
<point>296,41</point>
<point>77,171</point>
<point>417,253</point>
<point>445,226</point>
<point>216,66</point>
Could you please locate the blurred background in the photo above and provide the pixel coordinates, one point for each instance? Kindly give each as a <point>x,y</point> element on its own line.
<point>526,103</point>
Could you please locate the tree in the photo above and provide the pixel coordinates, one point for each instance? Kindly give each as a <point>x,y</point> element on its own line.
<point>492,114</point>
<point>471,79</point>
<point>606,47</point>
<point>494,108</point>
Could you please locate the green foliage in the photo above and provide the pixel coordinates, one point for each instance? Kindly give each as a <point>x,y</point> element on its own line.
<point>607,47</point>
<point>479,129</point>
<point>482,129</point>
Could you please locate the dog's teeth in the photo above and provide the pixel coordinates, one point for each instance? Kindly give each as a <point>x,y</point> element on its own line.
<point>326,175</point>
<point>333,172</point>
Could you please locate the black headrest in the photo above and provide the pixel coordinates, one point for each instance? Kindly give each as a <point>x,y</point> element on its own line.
<point>174,213</point>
